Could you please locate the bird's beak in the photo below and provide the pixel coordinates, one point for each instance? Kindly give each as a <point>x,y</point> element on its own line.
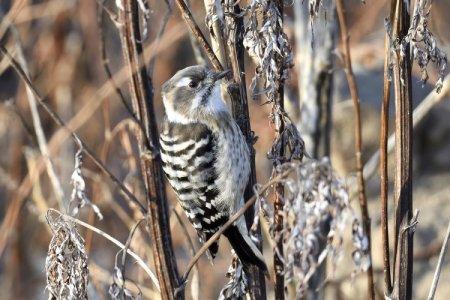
<point>219,75</point>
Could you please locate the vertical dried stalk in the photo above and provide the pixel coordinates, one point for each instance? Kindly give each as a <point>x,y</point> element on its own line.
<point>277,109</point>
<point>358,139</point>
<point>403,153</point>
<point>142,96</point>
<point>278,209</point>
<point>384,169</point>
<point>239,107</point>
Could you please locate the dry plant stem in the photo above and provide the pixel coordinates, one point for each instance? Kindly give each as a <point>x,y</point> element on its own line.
<point>403,260</point>
<point>419,114</point>
<point>384,180</point>
<point>142,99</point>
<point>74,136</point>
<point>127,246</point>
<point>239,107</point>
<point>187,15</point>
<point>358,139</point>
<point>40,136</point>
<point>230,222</point>
<point>278,206</point>
<point>139,260</point>
<point>439,265</point>
<point>105,63</point>
<point>277,109</point>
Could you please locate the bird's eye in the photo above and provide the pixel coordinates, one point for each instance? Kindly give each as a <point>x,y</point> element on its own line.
<point>193,84</point>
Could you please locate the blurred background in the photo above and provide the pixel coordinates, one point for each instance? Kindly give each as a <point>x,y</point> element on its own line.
<point>61,44</point>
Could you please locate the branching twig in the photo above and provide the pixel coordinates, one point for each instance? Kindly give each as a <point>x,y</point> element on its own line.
<point>358,139</point>
<point>186,13</point>
<point>37,124</point>
<point>127,247</point>
<point>105,60</point>
<point>74,136</point>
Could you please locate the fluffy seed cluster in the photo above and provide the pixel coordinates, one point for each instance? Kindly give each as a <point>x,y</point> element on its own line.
<point>288,140</point>
<point>268,46</point>
<point>316,213</point>
<point>66,263</point>
<point>423,43</point>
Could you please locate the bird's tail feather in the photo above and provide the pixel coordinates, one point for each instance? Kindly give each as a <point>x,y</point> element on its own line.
<point>245,249</point>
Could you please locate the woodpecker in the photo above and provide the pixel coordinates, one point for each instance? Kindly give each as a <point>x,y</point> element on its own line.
<point>206,158</point>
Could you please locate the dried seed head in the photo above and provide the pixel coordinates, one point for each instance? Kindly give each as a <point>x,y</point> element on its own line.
<point>316,212</point>
<point>423,43</point>
<point>268,46</point>
<point>66,263</point>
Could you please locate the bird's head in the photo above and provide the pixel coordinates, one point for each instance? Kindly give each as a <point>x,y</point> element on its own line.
<point>193,94</point>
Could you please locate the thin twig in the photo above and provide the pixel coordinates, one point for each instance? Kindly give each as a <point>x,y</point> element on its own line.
<point>187,15</point>
<point>358,139</point>
<point>37,124</point>
<point>230,222</point>
<point>74,136</point>
<point>105,60</point>
<point>439,264</point>
<point>105,63</point>
<point>384,180</point>
<point>127,246</point>
<point>139,260</point>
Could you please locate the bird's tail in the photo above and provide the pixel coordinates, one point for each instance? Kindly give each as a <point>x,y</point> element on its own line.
<point>245,249</point>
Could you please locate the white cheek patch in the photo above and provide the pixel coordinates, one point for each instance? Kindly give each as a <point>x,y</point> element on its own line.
<point>183,82</point>
<point>172,115</point>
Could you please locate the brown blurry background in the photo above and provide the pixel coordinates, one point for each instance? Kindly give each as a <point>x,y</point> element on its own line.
<point>61,44</point>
